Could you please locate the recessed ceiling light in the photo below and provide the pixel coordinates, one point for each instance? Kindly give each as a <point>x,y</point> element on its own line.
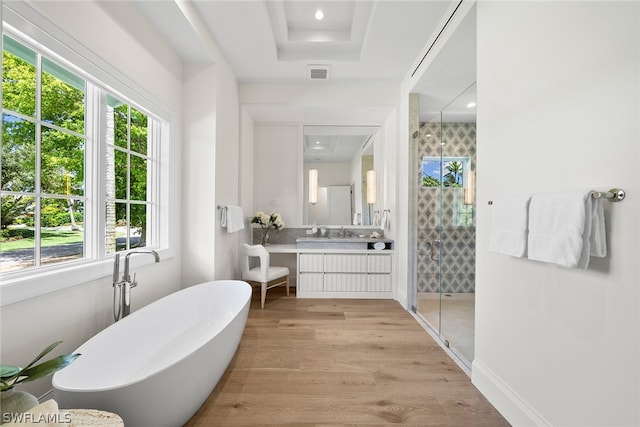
<point>319,15</point>
<point>471,105</point>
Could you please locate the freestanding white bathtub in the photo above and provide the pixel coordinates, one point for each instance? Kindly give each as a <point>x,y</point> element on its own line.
<point>158,365</point>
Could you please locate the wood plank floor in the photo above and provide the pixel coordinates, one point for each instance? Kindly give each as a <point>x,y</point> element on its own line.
<point>311,362</point>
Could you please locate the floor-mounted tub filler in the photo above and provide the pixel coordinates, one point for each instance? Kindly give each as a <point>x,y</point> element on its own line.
<point>157,366</point>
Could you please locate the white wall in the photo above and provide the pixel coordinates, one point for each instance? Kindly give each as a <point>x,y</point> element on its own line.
<point>77,313</point>
<point>198,191</point>
<point>388,180</point>
<point>558,109</point>
<point>211,163</point>
<point>211,173</point>
<point>227,170</point>
<point>277,159</point>
<point>246,167</point>
<point>311,99</point>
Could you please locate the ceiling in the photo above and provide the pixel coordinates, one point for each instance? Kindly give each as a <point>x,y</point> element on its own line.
<point>276,40</point>
<point>280,41</point>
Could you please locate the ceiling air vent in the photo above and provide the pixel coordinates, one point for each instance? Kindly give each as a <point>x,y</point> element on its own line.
<point>319,72</point>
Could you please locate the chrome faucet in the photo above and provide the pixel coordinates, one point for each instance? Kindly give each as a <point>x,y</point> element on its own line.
<point>125,275</point>
<point>122,288</point>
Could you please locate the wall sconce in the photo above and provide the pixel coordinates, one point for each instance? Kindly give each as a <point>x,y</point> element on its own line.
<point>469,192</point>
<point>313,186</point>
<point>371,187</point>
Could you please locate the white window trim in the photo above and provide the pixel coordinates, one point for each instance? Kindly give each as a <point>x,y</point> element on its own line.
<point>33,283</point>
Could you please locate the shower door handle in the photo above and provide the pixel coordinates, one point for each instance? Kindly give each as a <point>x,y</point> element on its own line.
<point>434,256</point>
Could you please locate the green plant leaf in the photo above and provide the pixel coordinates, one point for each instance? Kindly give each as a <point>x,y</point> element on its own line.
<point>43,353</point>
<point>47,368</point>
<point>8,371</point>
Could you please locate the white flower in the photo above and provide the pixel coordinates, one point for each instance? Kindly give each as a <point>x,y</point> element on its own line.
<point>279,223</point>
<point>268,221</point>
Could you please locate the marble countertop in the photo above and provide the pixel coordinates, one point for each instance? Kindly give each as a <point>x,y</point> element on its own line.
<point>350,239</point>
<point>294,249</point>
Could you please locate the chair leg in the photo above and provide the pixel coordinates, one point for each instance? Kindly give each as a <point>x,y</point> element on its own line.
<point>263,294</point>
<point>287,285</point>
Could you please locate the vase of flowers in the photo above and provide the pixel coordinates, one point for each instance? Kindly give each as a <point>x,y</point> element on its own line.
<point>267,222</point>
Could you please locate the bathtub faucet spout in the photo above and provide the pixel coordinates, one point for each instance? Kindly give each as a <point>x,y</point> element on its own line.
<point>125,276</point>
<point>122,288</point>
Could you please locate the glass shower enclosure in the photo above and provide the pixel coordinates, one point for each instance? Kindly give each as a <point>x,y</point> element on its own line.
<point>444,150</point>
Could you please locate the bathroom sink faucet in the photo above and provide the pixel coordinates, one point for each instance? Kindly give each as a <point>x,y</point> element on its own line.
<point>122,302</point>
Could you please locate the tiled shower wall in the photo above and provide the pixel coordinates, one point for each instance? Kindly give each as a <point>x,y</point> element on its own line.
<point>457,249</point>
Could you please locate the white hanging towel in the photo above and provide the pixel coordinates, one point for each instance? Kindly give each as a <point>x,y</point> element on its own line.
<point>357,218</point>
<point>386,219</point>
<point>566,228</point>
<point>509,225</point>
<point>232,218</point>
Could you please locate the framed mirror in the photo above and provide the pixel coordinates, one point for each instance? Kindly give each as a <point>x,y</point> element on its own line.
<point>341,156</point>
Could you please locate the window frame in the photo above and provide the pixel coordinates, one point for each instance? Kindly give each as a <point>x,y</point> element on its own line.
<point>151,190</point>
<point>40,126</point>
<point>463,214</point>
<point>20,19</point>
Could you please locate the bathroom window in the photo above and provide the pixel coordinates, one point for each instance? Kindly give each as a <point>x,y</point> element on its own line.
<point>80,167</point>
<point>129,167</point>
<point>43,160</point>
<point>452,175</point>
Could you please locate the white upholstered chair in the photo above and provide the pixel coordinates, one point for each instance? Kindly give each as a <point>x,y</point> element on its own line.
<point>268,276</point>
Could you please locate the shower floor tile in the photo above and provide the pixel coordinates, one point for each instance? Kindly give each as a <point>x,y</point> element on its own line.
<point>456,323</point>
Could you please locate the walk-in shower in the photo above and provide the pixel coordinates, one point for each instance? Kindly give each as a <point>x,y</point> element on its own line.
<point>444,150</point>
<point>442,206</point>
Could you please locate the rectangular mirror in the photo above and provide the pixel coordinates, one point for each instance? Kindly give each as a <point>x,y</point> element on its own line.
<point>342,155</point>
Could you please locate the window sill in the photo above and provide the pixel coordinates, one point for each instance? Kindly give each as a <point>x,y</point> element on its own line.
<point>39,283</point>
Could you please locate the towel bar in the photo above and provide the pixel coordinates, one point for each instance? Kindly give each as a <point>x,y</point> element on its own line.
<point>613,195</point>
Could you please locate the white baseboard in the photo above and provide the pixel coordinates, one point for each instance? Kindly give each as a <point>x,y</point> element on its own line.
<point>509,403</point>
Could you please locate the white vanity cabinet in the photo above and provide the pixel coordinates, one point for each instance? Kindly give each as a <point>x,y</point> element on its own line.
<point>310,273</point>
<point>347,274</point>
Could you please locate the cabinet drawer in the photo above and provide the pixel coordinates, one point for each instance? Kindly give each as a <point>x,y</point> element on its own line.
<point>345,263</point>
<point>379,283</point>
<point>310,263</point>
<point>336,282</point>
<point>312,282</point>
<point>379,263</point>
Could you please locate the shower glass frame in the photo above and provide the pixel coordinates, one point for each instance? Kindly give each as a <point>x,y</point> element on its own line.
<point>435,241</point>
